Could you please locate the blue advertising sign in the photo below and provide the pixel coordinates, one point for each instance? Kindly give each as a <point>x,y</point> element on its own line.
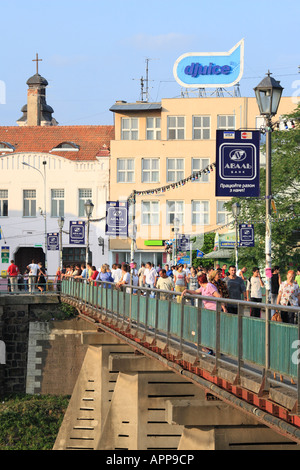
<point>210,69</point>
<point>246,235</point>
<point>77,233</point>
<point>183,243</point>
<point>52,241</point>
<point>116,218</point>
<point>237,163</point>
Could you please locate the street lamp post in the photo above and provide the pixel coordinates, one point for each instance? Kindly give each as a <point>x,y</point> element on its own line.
<point>89,206</point>
<point>45,209</point>
<point>268,93</point>
<point>236,208</point>
<point>60,222</point>
<point>176,230</point>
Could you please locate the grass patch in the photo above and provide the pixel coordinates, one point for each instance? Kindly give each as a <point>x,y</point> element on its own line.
<point>31,422</point>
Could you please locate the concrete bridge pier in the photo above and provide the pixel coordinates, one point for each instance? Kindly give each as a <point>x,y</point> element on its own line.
<point>124,400</point>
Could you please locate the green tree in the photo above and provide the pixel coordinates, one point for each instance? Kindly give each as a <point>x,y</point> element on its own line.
<point>285,167</point>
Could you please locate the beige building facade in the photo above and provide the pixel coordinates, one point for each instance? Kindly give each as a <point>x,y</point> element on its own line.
<point>160,144</point>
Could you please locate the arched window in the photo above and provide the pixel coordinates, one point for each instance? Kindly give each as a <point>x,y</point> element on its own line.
<point>6,147</point>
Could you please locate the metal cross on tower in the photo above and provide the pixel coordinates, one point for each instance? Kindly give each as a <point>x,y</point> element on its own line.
<point>37,60</point>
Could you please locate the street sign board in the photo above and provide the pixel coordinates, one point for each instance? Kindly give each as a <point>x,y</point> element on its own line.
<point>53,241</point>
<point>77,232</point>
<point>237,163</point>
<point>246,235</point>
<point>116,218</point>
<point>183,243</point>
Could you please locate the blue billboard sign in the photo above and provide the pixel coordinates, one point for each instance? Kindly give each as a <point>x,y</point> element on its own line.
<point>52,241</point>
<point>116,218</point>
<point>237,163</point>
<point>246,232</point>
<point>183,243</point>
<point>77,233</point>
<point>210,69</point>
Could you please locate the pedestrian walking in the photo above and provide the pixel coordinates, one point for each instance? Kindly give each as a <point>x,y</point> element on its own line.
<point>254,292</point>
<point>164,282</point>
<point>41,278</point>
<point>13,272</point>
<point>33,269</point>
<point>236,288</point>
<point>180,281</point>
<point>275,283</point>
<point>289,294</point>
<point>141,275</point>
<point>150,276</point>
<point>193,283</point>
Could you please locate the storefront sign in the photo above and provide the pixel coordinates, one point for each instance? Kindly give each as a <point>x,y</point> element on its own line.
<point>237,163</point>
<point>210,69</point>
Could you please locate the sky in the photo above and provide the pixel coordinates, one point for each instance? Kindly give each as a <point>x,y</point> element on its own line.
<point>94,51</point>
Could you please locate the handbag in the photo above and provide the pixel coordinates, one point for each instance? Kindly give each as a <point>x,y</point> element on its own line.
<point>276,316</point>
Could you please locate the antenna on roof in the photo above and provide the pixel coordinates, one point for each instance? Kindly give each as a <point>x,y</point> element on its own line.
<point>145,81</point>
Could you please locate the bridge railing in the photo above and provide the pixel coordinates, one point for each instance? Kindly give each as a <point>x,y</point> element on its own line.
<point>270,345</point>
<point>25,286</point>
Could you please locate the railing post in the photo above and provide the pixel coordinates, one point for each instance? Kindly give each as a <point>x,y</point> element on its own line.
<point>199,319</point>
<point>181,325</point>
<point>156,316</point>
<point>218,337</point>
<point>169,321</point>
<point>240,343</point>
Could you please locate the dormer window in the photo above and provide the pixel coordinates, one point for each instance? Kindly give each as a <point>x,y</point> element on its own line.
<point>66,147</point>
<point>6,147</point>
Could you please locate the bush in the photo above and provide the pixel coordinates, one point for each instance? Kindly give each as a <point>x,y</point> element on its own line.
<point>31,422</point>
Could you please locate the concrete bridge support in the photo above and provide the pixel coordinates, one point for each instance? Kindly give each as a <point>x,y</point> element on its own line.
<point>124,400</point>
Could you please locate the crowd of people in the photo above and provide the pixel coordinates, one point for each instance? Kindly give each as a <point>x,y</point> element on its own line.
<point>185,281</point>
<point>33,279</point>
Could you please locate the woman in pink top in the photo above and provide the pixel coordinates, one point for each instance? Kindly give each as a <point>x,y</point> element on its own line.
<point>207,290</point>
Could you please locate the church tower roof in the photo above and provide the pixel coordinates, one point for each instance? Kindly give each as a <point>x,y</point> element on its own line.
<point>37,112</point>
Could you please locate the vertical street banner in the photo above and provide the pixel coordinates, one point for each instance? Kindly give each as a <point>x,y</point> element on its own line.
<point>246,232</point>
<point>77,232</point>
<point>116,218</point>
<point>53,241</point>
<point>237,163</point>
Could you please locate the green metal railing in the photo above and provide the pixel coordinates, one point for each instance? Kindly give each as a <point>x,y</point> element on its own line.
<point>270,345</point>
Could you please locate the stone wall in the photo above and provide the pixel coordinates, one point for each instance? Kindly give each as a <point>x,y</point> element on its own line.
<point>41,356</point>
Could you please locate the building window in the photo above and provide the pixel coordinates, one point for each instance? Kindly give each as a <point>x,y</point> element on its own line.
<point>129,129</point>
<point>176,127</point>
<point>75,255</point>
<point>226,122</point>
<point>200,212</point>
<point>150,170</point>
<point>57,203</point>
<point>153,131</point>
<point>125,170</point>
<point>150,212</point>
<point>84,195</point>
<point>201,127</point>
<point>3,202</point>
<point>175,169</point>
<point>175,209</point>
<point>199,164</point>
<point>29,203</point>
<point>223,216</point>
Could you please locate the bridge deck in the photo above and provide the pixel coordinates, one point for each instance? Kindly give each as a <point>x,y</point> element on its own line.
<point>247,351</point>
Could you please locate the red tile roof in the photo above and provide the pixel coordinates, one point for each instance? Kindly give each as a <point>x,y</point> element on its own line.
<point>93,141</point>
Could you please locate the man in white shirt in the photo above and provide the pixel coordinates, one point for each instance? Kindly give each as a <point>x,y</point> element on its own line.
<point>117,273</point>
<point>33,269</point>
<point>241,273</point>
<point>254,293</point>
<point>150,275</point>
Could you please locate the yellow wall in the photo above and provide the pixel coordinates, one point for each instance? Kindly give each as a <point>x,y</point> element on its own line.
<point>245,111</point>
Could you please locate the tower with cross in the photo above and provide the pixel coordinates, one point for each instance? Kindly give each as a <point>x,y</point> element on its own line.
<point>37,112</point>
